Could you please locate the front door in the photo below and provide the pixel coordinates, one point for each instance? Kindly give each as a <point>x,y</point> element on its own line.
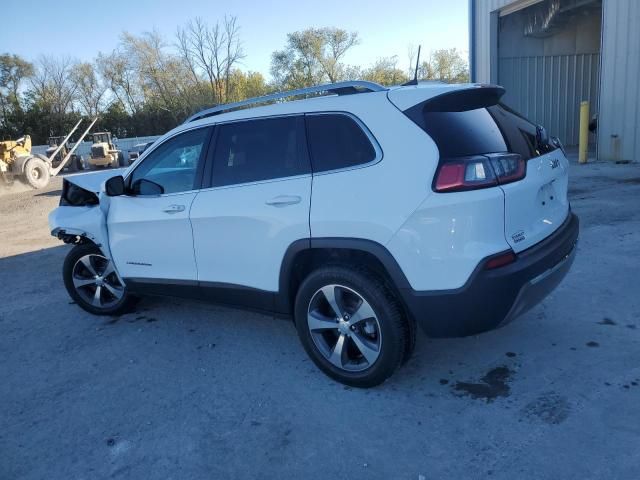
<point>149,230</point>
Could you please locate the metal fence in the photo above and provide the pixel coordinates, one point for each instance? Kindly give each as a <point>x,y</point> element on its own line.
<point>124,144</point>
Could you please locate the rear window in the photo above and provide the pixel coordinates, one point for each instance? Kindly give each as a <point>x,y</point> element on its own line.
<point>492,129</point>
<point>337,141</point>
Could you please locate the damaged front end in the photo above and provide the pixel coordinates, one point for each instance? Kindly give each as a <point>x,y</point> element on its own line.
<point>80,217</point>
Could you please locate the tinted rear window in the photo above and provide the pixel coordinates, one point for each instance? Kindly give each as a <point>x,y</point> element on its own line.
<point>263,149</point>
<point>482,130</point>
<point>337,141</point>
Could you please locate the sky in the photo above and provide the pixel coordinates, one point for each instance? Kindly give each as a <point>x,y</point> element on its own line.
<point>81,29</point>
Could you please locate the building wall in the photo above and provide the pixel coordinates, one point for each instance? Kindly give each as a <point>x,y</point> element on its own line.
<point>547,77</point>
<point>619,98</point>
<point>481,44</point>
<point>620,81</point>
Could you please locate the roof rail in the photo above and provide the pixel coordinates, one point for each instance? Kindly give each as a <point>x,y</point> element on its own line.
<point>339,88</point>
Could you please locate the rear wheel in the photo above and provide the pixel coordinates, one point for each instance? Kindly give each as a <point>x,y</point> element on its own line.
<point>91,281</point>
<point>351,325</point>
<point>37,173</point>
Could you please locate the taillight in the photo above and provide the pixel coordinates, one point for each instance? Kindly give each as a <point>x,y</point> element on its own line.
<point>500,260</point>
<point>481,171</point>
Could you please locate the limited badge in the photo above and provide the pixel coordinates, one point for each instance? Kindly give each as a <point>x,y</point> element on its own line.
<point>518,236</point>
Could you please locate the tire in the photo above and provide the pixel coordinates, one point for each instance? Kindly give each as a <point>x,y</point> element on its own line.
<point>121,161</point>
<point>37,173</point>
<point>82,284</point>
<point>373,331</point>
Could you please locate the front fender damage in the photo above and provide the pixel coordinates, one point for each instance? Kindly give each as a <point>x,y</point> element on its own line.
<point>80,224</point>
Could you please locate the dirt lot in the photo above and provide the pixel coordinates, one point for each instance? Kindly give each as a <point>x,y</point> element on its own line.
<point>182,389</point>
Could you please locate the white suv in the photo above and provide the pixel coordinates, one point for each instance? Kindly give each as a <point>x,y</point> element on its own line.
<point>360,213</point>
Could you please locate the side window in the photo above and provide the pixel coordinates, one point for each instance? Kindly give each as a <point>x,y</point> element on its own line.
<point>337,141</point>
<point>171,168</point>
<point>261,149</point>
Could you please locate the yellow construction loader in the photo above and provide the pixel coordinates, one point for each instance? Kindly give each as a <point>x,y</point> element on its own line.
<point>104,151</point>
<point>17,160</point>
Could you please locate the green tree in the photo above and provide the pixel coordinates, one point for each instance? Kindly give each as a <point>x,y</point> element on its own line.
<point>14,70</point>
<point>446,65</point>
<point>385,72</point>
<point>312,56</point>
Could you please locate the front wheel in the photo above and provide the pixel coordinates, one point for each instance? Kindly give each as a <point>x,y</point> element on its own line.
<point>37,173</point>
<point>351,325</point>
<point>91,280</point>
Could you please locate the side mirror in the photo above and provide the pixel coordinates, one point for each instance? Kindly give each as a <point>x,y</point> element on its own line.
<point>114,187</point>
<point>147,187</point>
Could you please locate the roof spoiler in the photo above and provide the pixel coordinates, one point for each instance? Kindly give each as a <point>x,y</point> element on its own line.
<point>478,96</point>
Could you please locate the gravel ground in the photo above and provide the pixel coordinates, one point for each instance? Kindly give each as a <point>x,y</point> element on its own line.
<point>182,389</point>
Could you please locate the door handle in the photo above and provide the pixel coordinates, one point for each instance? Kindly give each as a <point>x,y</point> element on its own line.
<point>174,209</point>
<point>284,200</point>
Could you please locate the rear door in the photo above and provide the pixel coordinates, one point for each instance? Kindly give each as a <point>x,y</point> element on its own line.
<point>256,203</point>
<point>536,205</point>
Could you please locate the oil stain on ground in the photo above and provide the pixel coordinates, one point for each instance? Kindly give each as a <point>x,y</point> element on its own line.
<point>606,321</point>
<point>493,385</point>
<point>550,407</point>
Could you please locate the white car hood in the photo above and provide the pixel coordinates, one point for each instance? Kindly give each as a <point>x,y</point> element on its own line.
<point>93,181</point>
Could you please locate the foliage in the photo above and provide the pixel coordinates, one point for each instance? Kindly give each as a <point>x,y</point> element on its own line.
<point>312,56</point>
<point>446,65</point>
<point>148,84</point>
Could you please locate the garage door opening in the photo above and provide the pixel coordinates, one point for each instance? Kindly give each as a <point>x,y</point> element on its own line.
<point>549,61</point>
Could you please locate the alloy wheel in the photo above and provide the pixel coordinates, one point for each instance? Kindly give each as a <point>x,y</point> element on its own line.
<point>96,281</point>
<point>344,328</point>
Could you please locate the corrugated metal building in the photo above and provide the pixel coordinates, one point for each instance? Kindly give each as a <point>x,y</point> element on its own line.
<point>552,54</point>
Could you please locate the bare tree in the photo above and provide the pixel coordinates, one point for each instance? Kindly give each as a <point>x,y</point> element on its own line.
<point>90,89</point>
<point>120,76</point>
<point>53,85</point>
<point>211,51</point>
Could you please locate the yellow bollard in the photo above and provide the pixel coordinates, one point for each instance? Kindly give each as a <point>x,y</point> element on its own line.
<point>584,132</point>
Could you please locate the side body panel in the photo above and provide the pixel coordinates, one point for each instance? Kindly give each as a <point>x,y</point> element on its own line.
<point>373,200</point>
<point>443,241</point>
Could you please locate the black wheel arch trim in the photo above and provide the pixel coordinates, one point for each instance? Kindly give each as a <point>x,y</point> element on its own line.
<point>285,297</point>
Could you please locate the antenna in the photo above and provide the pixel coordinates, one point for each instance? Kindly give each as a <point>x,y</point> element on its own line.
<point>414,81</point>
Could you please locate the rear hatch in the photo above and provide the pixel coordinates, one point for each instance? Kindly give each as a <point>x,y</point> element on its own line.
<point>484,144</point>
<point>536,205</point>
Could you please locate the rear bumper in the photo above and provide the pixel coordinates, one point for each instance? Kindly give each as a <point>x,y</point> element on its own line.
<point>492,298</point>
